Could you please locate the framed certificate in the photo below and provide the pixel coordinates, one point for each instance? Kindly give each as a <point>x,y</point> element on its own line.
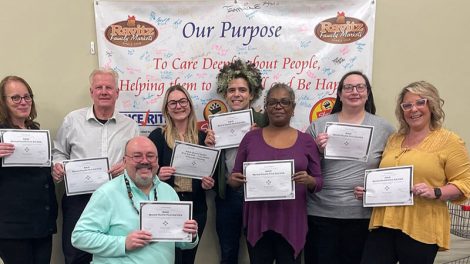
<point>230,128</point>
<point>165,220</point>
<point>269,180</point>
<point>348,141</point>
<point>85,175</point>
<point>32,148</point>
<point>194,161</point>
<point>388,186</point>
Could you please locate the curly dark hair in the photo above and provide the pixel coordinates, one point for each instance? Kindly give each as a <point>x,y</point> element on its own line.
<point>240,69</point>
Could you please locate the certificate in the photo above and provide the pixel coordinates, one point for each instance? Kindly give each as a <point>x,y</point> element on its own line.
<point>348,142</point>
<point>32,148</point>
<point>165,220</point>
<point>194,161</point>
<point>85,175</point>
<point>388,186</point>
<point>269,180</point>
<point>229,128</point>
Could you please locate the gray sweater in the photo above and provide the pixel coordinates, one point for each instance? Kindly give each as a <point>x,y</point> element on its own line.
<point>336,199</point>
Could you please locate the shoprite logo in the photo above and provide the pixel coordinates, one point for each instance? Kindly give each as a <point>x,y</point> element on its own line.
<point>131,33</point>
<point>341,29</point>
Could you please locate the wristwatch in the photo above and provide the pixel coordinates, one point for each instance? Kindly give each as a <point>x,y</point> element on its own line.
<point>437,193</point>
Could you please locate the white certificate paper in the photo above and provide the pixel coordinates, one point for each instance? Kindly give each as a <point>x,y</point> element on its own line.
<point>348,142</point>
<point>32,148</point>
<point>230,128</point>
<point>165,220</point>
<point>388,186</point>
<point>194,161</point>
<point>85,175</point>
<point>269,180</point>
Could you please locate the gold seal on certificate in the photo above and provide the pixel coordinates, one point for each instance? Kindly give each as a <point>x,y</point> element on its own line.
<point>230,128</point>
<point>269,180</point>
<point>85,175</point>
<point>165,220</point>
<point>194,161</point>
<point>347,141</point>
<point>388,186</point>
<point>32,148</point>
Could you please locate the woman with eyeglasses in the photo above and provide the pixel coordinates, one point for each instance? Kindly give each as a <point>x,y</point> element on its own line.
<point>28,209</point>
<point>276,229</point>
<point>178,110</point>
<point>441,172</point>
<point>338,223</point>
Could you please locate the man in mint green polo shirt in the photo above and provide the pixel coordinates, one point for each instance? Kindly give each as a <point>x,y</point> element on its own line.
<point>109,226</point>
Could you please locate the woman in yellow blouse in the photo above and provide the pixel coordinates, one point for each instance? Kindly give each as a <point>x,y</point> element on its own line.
<point>414,234</point>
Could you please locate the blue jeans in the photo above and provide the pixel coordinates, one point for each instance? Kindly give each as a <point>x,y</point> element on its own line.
<point>229,213</point>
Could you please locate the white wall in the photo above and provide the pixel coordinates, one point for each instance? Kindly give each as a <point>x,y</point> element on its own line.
<point>47,43</point>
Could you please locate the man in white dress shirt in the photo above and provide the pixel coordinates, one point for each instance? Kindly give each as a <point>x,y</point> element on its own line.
<point>95,131</point>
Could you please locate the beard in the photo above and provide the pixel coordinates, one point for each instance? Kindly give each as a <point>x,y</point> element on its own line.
<point>141,180</point>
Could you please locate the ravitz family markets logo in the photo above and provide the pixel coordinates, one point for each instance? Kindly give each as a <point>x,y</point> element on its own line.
<point>131,33</point>
<point>341,29</point>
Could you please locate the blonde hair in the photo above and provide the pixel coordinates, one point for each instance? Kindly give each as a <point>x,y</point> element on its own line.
<point>171,134</point>
<point>435,103</point>
<point>105,71</point>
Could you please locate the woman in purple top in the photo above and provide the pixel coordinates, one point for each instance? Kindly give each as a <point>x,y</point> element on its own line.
<point>276,230</point>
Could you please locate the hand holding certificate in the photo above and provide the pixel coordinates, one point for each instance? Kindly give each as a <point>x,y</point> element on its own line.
<point>348,142</point>
<point>194,161</point>
<point>388,186</point>
<point>85,175</point>
<point>230,128</point>
<point>32,148</point>
<point>165,220</point>
<point>269,180</point>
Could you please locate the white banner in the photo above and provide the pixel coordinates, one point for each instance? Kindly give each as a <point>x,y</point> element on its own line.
<point>308,45</point>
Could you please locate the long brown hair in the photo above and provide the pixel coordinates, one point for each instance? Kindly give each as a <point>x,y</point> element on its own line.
<point>191,133</point>
<point>5,115</point>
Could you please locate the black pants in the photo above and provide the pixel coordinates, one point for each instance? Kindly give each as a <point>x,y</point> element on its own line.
<point>26,251</point>
<point>272,246</point>
<point>72,208</point>
<point>387,246</point>
<point>187,256</point>
<point>228,223</point>
<point>335,241</point>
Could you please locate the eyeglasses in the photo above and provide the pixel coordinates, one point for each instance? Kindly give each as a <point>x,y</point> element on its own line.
<point>140,157</point>
<point>182,102</point>
<point>17,99</point>
<point>284,102</point>
<point>420,103</point>
<point>348,88</point>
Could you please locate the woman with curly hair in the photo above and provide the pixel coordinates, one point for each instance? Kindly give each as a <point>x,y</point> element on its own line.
<point>240,84</point>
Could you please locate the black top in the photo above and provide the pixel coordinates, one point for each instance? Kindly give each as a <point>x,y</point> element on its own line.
<point>164,159</point>
<point>28,203</point>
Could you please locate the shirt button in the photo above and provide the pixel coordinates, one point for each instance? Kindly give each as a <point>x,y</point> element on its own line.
<point>47,208</point>
<point>46,186</point>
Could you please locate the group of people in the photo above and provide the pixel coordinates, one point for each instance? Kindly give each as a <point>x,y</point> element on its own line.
<point>326,220</point>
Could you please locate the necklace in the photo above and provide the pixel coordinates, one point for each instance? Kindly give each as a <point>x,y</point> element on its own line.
<point>129,193</point>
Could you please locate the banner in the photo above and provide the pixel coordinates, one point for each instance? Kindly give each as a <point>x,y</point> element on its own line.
<point>309,45</point>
